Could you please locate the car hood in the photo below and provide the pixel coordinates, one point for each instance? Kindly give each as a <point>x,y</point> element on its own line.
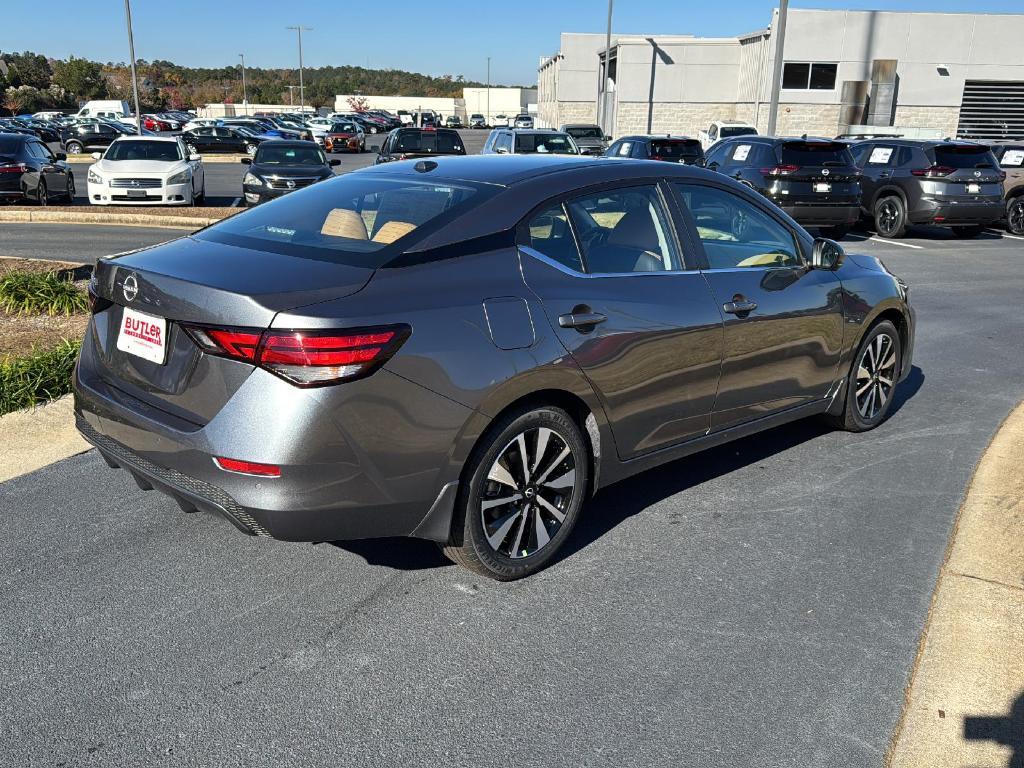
<point>589,142</point>
<point>290,170</point>
<point>156,167</point>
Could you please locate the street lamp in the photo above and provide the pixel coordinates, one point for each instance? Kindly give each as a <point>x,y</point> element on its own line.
<point>135,79</point>
<point>488,90</point>
<point>245,96</point>
<point>780,45</point>
<point>602,72</point>
<point>302,92</point>
<point>291,94</point>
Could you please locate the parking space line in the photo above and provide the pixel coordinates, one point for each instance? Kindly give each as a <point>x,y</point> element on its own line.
<point>1003,234</point>
<point>893,242</point>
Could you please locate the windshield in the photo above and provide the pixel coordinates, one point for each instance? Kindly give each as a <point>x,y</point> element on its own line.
<point>343,128</point>
<point>442,142</point>
<point>954,156</point>
<point>585,132</point>
<point>545,143</point>
<point>348,219</point>
<point>165,151</point>
<point>815,153</point>
<point>272,153</point>
<point>737,130</point>
<point>675,150</point>
<point>476,117</point>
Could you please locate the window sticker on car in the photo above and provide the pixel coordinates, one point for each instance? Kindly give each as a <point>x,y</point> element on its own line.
<point>741,152</point>
<point>880,155</point>
<point>1013,158</point>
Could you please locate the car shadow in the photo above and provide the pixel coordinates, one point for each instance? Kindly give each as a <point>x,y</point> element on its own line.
<point>615,504</point>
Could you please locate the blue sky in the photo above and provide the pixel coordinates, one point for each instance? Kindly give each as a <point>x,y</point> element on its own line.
<point>439,37</point>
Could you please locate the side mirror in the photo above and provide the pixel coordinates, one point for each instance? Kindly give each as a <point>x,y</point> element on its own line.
<point>826,254</point>
<point>375,148</point>
<point>195,158</point>
<point>332,163</point>
<point>61,155</point>
<point>246,161</point>
<point>711,166</point>
<point>607,138</point>
<point>96,155</point>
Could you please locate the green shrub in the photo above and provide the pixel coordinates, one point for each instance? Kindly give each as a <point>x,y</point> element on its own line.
<point>38,377</point>
<point>39,293</point>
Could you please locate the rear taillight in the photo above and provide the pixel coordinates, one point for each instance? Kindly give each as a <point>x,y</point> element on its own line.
<point>935,172</point>
<point>780,170</point>
<point>305,358</point>
<point>96,302</point>
<point>13,168</point>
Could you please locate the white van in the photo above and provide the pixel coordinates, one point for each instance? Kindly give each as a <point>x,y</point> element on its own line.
<point>109,108</point>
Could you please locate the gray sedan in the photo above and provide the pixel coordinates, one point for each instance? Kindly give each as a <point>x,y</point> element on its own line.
<point>465,349</point>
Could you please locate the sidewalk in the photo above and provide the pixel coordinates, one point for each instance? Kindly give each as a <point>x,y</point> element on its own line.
<point>36,437</point>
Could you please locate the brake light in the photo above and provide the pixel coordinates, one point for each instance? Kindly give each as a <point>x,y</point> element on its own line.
<point>935,172</point>
<point>14,168</point>
<point>780,170</point>
<point>247,467</point>
<point>305,358</point>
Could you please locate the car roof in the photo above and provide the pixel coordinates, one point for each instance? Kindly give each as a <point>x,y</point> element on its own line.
<point>527,131</point>
<point>136,137</point>
<point>289,143</point>
<point>657,137</point>
<point>15,135</point>
<point>927,143</point>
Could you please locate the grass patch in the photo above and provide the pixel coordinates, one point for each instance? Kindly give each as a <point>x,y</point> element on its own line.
<point>37,377</point>
<point>40,293</point>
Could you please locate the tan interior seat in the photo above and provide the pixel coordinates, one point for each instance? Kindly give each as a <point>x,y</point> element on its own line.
<point>393,230</point>
<point>341,222</point>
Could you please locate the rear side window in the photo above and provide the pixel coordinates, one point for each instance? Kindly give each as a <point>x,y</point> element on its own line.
<point>882,155</point>
<point>9,146</point>
<point>955,156</point>
<point>1011,157</point>
<point>550,233</point>
<point>346,220</point>
<point>625,148</point>
<point>814,153</point>
<point>675,150</point>
<point>737,130</point>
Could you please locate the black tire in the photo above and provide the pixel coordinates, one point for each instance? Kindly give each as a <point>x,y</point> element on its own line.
<point>69,192</point>
<point>967,232</point>
<point>468,544</point>
<point>73,148</point>
<point>836,233</point>
<point>890,216</point>
<point>1015,215</point>
<point>855,417</point>
<point>42,194</point>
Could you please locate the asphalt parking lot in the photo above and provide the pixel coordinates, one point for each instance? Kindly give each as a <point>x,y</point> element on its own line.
<point>759,604</point>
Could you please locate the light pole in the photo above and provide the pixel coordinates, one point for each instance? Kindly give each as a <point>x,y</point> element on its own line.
<point>135,79</point>
<point>488,90</point>
<point>302,92</point>
<point>602,72</point>
<point>291,94</point>
<point>780,44</point>
<point>245,96</point>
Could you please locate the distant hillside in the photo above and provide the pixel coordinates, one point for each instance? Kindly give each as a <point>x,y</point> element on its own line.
<point>30,82</point>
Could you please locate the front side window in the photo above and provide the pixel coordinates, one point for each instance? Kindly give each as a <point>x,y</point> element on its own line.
<point>624,230</point>
<point>736,233</point>
<point>166,151</point>
<point>585,132</point>
<point>550,234</point>
<point>804,76</point>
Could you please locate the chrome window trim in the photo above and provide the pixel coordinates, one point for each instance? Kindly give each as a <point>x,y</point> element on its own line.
<point>534,253</point>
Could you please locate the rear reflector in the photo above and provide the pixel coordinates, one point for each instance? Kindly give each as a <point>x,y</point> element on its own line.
<point>305,358</point>
<point>247,467</point>
<point>935,172</point>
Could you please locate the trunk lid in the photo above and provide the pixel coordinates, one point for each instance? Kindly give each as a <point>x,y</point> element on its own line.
<point>205,283</point>
<point>972,172</point>
<point>824,171</point>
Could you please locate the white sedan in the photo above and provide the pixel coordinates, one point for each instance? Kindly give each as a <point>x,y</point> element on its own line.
<point>147,170</point>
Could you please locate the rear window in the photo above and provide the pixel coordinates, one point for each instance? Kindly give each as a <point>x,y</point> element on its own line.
<point>167,151</point>
<point>736,130</point>
<point>955,156</point>
<point>814,153</point>
<point>348,220</point>
<point>442,142</point>
<point>585,132</point>
<point>676,149</point>
<point>545,143</point>
<point>9,146</point>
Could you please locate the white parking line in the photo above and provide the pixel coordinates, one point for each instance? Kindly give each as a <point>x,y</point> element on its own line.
<point>1003,234</point>
<point>235,202</point>
<point>893,242</point>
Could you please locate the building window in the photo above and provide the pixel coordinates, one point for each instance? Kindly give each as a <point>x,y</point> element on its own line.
<point>804,76</point>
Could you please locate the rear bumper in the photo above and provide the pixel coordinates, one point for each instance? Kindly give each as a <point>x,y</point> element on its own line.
<point>370,460</point>
<point>953,212</point>
<point>818,214</point>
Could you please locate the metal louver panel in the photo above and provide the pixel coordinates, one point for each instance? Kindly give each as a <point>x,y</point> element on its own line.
<point>992,109</point>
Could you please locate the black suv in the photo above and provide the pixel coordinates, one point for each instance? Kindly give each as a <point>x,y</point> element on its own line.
<point>406,143</point>
<point>946,183</point>
<point>673,149</point>
<point>813,180</point>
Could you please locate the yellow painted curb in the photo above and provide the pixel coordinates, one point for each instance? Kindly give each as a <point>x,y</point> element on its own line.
<point>109,218</point>
<point>964,706</point>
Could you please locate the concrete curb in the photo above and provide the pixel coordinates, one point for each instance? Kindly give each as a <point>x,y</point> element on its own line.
<point>965,701</point>
<point>108,218</point>
<point>37,437</point>
<point>87,158</point>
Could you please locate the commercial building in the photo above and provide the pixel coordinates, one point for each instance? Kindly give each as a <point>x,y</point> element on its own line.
<point>949,73</point>
<point>489,102</point>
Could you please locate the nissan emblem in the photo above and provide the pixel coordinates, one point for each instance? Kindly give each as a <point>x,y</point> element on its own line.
<point>130,288</point>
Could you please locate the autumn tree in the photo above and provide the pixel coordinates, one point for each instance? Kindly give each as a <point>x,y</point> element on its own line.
<point>80,77</point>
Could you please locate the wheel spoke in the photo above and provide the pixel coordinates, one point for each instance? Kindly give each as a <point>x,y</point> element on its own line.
<point>555,511</point>
<point>501,475</point>
<point>558,460</point>
<point>568,480</point>
<point>521,442</point>
<point>543,435</point>
<point>541,528</point>
<point>514,549</point>
<point>863,389</point>
<point>499,536</point>
<point>884,380</point>
<point>492,503</point>
<point>890,360</point>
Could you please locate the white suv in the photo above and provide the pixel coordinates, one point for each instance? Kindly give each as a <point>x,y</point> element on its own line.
<point>523,121</point>
<point>147,170</point>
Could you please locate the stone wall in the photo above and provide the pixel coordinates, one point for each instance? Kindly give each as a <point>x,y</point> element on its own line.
<point>944,119</point>
<point>681,119</point>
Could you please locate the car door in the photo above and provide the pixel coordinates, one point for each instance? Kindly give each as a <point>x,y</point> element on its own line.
<point>877,163</point>
<point>638,319</point>
<point>783,321</point>
<point>104,135</point>
<point>53,172</point>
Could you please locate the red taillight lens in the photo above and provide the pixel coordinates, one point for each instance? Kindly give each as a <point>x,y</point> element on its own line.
<point>247,467</point>
<point>780,170</point>
<point>305,358</point>
<point>935,172</point>
<point>13,168</point>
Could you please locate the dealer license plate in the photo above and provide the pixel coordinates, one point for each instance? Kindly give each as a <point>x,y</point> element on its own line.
<point>822,187</point>
<point>143,335</point>
<point>974,189</point>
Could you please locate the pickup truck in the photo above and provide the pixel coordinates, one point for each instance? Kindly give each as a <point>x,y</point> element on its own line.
<point>721,129</point>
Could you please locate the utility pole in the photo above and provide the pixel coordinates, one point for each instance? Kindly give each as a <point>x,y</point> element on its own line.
<point>602,72</point>
<point>245,96</point>
<point>780,44</point>
<point>302,88</point>
<point>135,78</point>
<point>488,90</point>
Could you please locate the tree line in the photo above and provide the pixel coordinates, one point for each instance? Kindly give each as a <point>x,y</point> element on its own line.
<point>30,82</point>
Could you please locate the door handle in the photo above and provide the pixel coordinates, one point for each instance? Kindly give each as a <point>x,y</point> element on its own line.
<point>884,175</point>
<point>581,321</point>
<point>739,306</point>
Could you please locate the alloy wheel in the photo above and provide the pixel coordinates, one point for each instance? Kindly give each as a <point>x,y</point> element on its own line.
<point>1015,216</point>
<point>43,194</point>
<point>524,500</point>
<point>888,216</point>
<point>876,376</point>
